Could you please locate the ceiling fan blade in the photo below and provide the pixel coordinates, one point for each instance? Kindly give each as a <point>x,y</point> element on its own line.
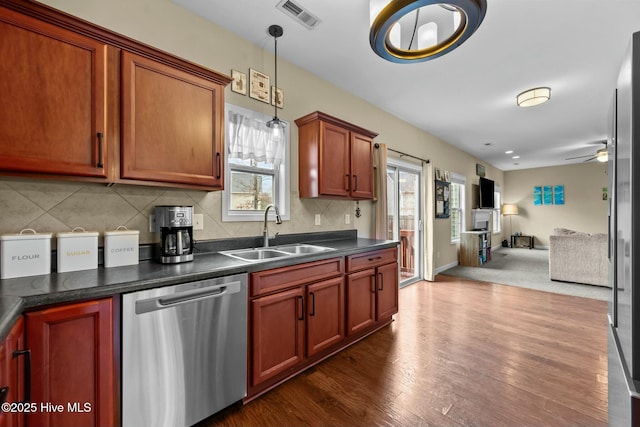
<point>588,160</point>
<point>578,157</point>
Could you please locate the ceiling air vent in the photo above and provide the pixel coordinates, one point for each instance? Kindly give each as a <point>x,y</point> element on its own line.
<point>298,13</point>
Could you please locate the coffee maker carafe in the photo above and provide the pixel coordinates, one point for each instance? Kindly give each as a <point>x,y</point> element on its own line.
<point>176,233</point>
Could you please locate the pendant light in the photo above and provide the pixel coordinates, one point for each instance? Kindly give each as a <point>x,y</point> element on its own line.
<point>276,124</point>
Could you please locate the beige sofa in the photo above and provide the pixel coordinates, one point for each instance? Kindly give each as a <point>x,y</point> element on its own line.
<point>578,257</point>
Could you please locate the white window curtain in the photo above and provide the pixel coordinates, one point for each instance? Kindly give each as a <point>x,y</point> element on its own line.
<point>250,138</point>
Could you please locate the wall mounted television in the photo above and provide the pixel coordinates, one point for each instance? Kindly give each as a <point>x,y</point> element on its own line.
<point>486,193</point>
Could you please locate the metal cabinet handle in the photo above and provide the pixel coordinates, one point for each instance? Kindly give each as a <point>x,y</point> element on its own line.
<point>374,279</point>
<point>27,372</point>
<point>219,160</point>
<point>355,182</point>
<point>374,258</point>
<point>348,182</point>
<point>100,150</point>
<point>301,308</point>
<point>313,304</point>
<point>4,392</point>
<point>381,282</point>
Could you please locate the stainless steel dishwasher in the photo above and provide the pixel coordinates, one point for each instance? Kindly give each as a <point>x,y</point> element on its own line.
<point>184,351</point>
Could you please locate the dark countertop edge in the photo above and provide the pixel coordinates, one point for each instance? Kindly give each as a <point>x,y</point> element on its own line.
<point>10,309</point>
<point>12,306</point>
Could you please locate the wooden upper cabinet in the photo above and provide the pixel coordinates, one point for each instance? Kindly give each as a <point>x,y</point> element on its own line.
<point>172,125</point>
<point>52,91</point>
<point>335,158</point>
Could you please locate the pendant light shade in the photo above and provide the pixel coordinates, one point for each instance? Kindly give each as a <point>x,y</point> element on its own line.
<point>276,124</point>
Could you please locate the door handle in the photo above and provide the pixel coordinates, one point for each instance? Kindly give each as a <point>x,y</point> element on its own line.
<point>27,372</point>
<point>100,150</point>
<point>348,182</point>
<point>381,282</point>
<point>374,280</point>
<point>195,295</point>
<point>219,161</point>
<point>301,298</point>
<point>313,304</point>
<point>355,182</point>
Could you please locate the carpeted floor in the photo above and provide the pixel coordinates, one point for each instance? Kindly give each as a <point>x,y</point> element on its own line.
<point>527,268</point>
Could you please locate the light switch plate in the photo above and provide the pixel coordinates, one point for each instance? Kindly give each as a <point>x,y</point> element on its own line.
<point>347,219</point>
<point>318,216</point>
<point>198,222</point>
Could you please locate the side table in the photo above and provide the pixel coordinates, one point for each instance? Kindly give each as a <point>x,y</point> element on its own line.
<point>522,241</point>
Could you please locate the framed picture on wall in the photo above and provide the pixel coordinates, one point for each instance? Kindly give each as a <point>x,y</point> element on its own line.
<point>438,175</point>
<point>259,85</point>
<point>239,83</point>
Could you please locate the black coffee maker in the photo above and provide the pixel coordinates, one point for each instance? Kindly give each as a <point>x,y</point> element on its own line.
<point>175,225</point>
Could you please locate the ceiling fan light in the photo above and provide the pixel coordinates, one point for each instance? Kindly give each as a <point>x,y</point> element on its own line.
<point>602,155</point>
<point>535,96</point>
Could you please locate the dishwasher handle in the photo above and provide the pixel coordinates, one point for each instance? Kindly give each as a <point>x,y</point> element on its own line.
<point>187,297</point>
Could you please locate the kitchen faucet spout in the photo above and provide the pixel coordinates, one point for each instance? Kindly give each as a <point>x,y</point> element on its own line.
<point>265,231</point>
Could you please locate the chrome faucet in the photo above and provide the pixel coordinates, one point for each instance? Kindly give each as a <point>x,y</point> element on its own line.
<point>265,231</point>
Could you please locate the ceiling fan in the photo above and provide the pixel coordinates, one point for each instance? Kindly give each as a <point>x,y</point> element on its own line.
<point>601,155</point>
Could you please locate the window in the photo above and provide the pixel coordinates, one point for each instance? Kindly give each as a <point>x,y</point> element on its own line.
<point>456,205</point>
<point>256,166</point>
<point>497,202</point>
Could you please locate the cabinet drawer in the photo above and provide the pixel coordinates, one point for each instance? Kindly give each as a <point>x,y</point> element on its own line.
<point>371,259</point>
<point>267,281</point>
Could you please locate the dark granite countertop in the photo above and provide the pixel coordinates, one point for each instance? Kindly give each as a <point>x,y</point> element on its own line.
<point>17,295</point>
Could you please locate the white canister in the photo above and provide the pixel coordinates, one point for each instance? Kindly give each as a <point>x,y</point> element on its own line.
<point>77,250</point>
<point>121,247</point>
<point>25,254</point>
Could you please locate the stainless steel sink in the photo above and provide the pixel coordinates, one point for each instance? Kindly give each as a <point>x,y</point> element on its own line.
<point>264,254</point>
<point>302,249</point>
<point>257,254</point>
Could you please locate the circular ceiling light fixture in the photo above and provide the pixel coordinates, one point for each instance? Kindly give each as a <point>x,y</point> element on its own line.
<point>534,96</point>
<point>407,31</point>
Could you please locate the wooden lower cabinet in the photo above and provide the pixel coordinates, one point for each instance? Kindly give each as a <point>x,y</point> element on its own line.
<point>325,315</point>
<point>372,289</point>
<point>72,356</point>
<point>12,365</point>
<point>277,338</point>
<point>361,300</point>
<point>282,323</point>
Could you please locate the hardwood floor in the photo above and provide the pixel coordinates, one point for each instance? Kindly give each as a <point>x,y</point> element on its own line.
<point>459,353</point>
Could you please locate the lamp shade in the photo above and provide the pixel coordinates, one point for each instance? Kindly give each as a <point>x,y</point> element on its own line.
<point>509,209</point>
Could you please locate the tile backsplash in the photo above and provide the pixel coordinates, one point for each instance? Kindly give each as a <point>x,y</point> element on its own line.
<point>56,206</point>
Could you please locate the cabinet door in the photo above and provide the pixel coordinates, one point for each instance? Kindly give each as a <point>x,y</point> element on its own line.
<point>387,291</point>
<point>325,314</point>
<point>361,300</point>
<point>171,125</point>
<point>52,107</point>
<point>277,334</point>
<point>334,167</point>
<point>361,166</point>
<point>12,374</point>
<point>72,358</point>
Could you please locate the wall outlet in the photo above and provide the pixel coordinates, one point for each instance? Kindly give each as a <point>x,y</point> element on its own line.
<point>152,223</point>
<point>198,222</point>
<point>318,216</point>
<point>347,219</point>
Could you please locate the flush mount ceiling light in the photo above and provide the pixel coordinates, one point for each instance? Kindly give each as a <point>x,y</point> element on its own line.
<point>406,31</point>
<point>276,124</point>
<point>532,97</point>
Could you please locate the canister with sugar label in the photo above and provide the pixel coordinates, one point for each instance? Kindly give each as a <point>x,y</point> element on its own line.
<point>77,250</point>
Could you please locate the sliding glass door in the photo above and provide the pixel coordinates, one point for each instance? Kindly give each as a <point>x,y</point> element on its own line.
<point>404,194</point>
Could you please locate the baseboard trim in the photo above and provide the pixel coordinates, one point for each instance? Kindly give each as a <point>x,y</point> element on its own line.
<point>442,268</point>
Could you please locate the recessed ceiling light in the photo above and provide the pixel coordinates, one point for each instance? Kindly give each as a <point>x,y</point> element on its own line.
<point>515,157</point>
<point>508,152</point>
